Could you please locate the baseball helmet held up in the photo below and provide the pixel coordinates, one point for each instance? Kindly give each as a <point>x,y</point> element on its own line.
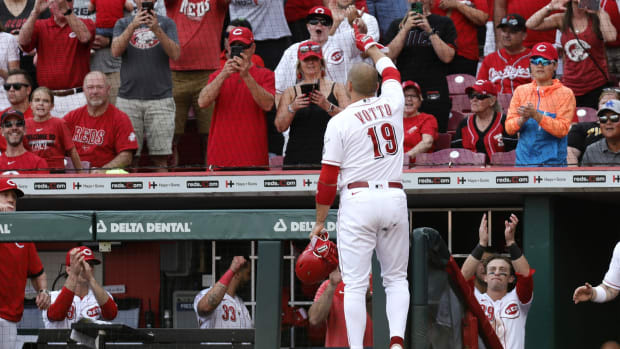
<point>317,260</point>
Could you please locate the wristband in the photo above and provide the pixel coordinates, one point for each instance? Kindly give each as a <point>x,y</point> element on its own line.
<point>477,252</point>
<point>600,295</point>
<point>331,108</point>
<point>515,251</point>
<point>225,279</point>
<point>290,109</point>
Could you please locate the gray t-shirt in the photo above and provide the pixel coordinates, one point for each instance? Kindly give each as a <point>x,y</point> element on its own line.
<point>266,16</point>
<point>599,154</point>
<point>145,71</point>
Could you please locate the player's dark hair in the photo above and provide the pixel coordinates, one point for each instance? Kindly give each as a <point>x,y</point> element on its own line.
<point>20,72</point>
<point>505,259</point>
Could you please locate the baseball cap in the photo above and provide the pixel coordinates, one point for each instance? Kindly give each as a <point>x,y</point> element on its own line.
<point>320,11</point>
<point>413,84</point>
<point>12,112</point>
<point>242,35</point>
<point>8,184</point>
<point>309,49</point>
<point>484,87</point>
<point>514,21</point>
<point>545,50</point>
<point>612,105</point>
<point>88,255</point>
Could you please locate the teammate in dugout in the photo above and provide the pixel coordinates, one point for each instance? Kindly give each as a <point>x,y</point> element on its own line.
<point>82,297</point>
<point>608,289</point>
<point>220,306</point>
<point>506,310</point>
<point>364,145</point>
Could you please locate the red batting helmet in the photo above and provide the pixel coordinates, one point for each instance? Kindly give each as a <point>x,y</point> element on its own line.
<point>316,261</point>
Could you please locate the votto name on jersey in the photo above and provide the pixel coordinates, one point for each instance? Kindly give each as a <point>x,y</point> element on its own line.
<point>374,113</point>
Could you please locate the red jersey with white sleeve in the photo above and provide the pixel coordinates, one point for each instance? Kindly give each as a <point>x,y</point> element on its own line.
<point>612,277</point>
<point>100,139</point>
<point>27,163</point>
<point>230,313</point>
<point>50,140</point>
<point>18,262</point>
<point>80,308</point>
<point>199,26</point>
<point>366,139</point>
<point>509,314</point>
<point>336,335</point>
<point>506,71</point>
<point>416,126</point>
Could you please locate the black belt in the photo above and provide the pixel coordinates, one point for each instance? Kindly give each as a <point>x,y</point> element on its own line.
<point>67,92</point>
<point>354,185</point>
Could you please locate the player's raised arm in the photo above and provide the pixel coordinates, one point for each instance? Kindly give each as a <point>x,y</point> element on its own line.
<point>212,299</point>
<point>471,263</point>
<point>383,63</point>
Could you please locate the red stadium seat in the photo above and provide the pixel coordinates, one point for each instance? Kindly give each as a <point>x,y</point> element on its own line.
<point>504,100</point>
<point>452,157</point>
<point>586,114</point>
<point>275,162</point>
<point>504,158</point>
<point>457,83</point>
<point>461,103</point>
<point>443,141</point>
<point>454,121</point>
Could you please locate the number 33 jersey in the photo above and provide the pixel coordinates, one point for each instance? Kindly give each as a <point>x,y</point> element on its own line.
<point>230,313</point>
<point>366,139</point>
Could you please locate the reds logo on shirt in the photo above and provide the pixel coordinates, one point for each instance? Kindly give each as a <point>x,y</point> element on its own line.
<point>93,312</point>
<point>336,57</point>
<point>195,10</point>
<point>509,72</point>
<point>71,312</point>
<point>88,135</point>
<point>144,38</point>
<point>512,310</point>
<point>576,50</point>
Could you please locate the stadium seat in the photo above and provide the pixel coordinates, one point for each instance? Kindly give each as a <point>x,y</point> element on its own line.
<point>454,121</point>
<point>452,157</point>
<point>70,168</point>
<point>443,141</point>
<point>457,83</point>
<point>461,103</point>
<point>586,114</point>
<point>504,101</point>
<point>504,158</point>
<point>275,162</point>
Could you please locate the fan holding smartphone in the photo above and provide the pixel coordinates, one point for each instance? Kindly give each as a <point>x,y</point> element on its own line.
<point>307,107</point>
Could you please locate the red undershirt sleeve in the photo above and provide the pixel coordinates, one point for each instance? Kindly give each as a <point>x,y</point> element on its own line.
<point>109,309</point>
<point>58,310</point>
<point>525,287</point>
<point>327,186</point>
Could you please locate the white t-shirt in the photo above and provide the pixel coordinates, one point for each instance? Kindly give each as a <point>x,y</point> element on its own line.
<point>86,307</point>
<point>612,277</point>
<point>507,317</point>
<point>265,16</point>
<point>366,139</point>
<point>9,52</point>
<point>230,313</point>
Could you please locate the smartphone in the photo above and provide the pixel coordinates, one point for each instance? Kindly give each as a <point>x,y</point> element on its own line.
<point>235,51</point>
<point>590,4</point>
<point>148,5</point>
<point>416,7</point>
<point>307,89</point>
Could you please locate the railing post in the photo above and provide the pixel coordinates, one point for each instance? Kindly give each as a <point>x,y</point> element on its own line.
<point>268,317</point>
<point>418,287</point>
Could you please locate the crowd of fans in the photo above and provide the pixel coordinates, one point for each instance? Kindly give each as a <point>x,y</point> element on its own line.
<point>254,74</point>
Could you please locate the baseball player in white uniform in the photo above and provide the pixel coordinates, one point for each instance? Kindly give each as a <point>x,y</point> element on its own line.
<point>219,306</point>
<point>606,291</point>
<point>506,311</point>
<point>363,160</point>
<point>81,297</point>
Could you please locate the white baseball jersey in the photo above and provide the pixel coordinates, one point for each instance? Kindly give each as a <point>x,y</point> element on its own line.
<point>612,277</point>
<point>507,317</point>
<point>86,307</point>
<point>230,313</point>
<point>366,139</point>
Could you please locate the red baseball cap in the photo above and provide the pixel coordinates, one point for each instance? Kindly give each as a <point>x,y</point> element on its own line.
<point>413,84</point>
<point>320,11</point>
<point>88,255</point>
<point>484,87</point>
<point>309,49</point>
<point>241,34</point>
<point>8,184</point>
<point>545,50</point>
<point>12,112</point>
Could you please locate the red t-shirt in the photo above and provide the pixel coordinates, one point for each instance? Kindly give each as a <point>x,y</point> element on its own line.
<point>611,7</point>
<point>62,61</point>
<point>526,8</point>
<point>238,134</point>
<point>27,163</point>
<point>50,139</point>
<point>416,126</point>
<point>108,12</point>
<point>336,335</point>
<point>467,38</point>
<point>27,115</point>
<point>18,262</point>
<point>295,10</point>
<point>256,59</point>
<point>581,74</point>
<point>199,26</point>
<point>506,71</point>
<point>100,139</point>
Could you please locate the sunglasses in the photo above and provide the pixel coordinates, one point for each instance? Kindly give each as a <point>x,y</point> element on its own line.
<point>22,123</point>
<point>16,86</point>
<point>322,21</point>
<point>611,89</point>
<point>613,118</point>
<point>478,96</point>
<point>308,48</point>
<point>539,60</point>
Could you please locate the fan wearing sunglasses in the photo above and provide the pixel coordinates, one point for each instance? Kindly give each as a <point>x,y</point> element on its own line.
<point>307,107</point>
<point>606,151</point>
<point>16,158</point>
<point>541,112</point>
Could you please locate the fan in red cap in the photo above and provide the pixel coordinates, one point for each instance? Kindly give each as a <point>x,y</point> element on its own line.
<point>421,129</point>
<point>318,260</point>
